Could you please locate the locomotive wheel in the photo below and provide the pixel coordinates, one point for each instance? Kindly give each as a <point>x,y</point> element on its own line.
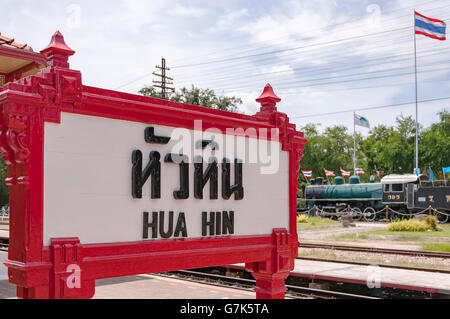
<point>442,219</point>
<point>369,214</point>
<point>340,212</point>
<point>356,214</point>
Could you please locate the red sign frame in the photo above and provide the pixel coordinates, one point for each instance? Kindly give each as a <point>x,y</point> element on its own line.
<point>41,271</point>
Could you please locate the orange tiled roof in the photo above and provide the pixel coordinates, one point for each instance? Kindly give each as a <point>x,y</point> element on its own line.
<point>10,43</point>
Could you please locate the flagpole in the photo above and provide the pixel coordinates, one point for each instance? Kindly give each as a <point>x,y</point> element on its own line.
<point>415,74</point>
<point>354,143</point>
<point>328,179</point>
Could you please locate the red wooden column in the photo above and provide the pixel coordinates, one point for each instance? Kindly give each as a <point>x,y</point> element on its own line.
<point>26,104</point>
<point>271,274</point>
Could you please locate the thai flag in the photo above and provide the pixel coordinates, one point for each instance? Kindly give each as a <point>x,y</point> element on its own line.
<point>429,27</point>
<point>359,171</point>
<point>345,173</point>
<point>307,174</point>
<point>328,173</point>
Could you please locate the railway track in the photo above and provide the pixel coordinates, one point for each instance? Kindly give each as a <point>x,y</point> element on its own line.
<point>4,243</point>
<point>443,271</point>
<point>415,253</point>
<point>249,284</point>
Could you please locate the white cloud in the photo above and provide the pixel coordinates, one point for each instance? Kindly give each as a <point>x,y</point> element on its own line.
<point>183,11</point>
<point>125,40</point>
<point>229,20</point>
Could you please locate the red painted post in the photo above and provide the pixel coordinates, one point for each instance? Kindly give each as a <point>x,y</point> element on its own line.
<point>271,274</point>
<point>387,213</point>
<point>348,209</point>
<point>314,210</point>
<point>429,210</point>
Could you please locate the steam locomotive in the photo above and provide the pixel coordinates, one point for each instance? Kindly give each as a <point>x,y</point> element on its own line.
<point>404,194</point>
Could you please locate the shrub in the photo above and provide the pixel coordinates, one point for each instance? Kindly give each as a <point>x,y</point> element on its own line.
<point>302,218</point>
<point>432,222</point>
<point>409,225</point>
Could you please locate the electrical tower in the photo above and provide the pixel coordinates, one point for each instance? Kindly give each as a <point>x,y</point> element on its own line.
<point>165,82</point>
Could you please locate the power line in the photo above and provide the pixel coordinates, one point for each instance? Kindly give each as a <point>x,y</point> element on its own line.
<point>243,73</point>
<point>267,53</point>
<point>369,108</point>
<point>289,49</point>
<point>325,28</point>
<point>384,60</point>
<point>339,82</point>
<point>368,87</point>
<point>313,45</point>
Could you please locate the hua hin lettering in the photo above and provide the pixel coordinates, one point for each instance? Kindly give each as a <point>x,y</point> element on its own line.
<point>213,223</point>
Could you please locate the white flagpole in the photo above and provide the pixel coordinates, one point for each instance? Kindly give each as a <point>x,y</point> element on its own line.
<point>354,143</point>
<point>417,123</point>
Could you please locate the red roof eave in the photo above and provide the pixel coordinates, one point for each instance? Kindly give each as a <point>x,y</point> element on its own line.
<point>23,55</point>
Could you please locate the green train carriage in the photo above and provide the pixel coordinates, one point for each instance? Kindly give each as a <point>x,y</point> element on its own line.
<point>405,194</point>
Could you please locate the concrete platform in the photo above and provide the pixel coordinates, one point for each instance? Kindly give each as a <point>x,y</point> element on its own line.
<point>4,234</point>
<point>155,287</point>
<point>142,287</point>
<point>430,282</point>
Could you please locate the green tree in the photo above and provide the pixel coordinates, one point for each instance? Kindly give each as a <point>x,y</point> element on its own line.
<point>198,96</point>
<point>391,149</point>
<point>378,149</point>
<point>434,146</point>
<point>333,150</point>
<point>4,191</point>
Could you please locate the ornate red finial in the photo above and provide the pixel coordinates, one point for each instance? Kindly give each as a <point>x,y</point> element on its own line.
<point>268,99</point>
<point>57,52</point>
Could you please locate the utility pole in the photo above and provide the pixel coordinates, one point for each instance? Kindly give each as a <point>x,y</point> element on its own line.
<point>165,82</point>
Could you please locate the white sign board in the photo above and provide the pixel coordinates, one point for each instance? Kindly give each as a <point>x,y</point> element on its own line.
<point>88,190</point>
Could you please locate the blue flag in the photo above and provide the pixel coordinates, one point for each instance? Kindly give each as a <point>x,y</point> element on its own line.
<point>446,170</point>
<point>431,175</point>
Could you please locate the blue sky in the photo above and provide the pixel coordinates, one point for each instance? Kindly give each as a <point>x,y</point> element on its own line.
<point>320,56</point>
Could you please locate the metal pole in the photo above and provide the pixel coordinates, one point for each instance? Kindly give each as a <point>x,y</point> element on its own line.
<point>417,123</point>
<point>354,143</point>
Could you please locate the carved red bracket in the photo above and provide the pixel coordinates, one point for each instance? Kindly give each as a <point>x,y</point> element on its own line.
<point>271,274</point>
<point>67,273</point>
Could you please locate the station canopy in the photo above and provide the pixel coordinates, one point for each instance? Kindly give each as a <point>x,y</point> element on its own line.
<point>18,60</point>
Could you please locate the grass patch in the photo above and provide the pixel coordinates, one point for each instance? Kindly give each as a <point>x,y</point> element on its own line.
<point>308,221</point>
<point>384,234</point>
<point>316,253</point>
<point>444,233</point>
<point>354,236</point>
<point>436,247</point>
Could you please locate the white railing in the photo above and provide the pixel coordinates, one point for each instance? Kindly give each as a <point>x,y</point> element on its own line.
<point>368,215</point>
<point>4,213</point>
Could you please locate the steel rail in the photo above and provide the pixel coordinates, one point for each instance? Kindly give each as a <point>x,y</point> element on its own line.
<point>443,271</point>
<point>417,253</point>
<point>4,243</point>
<point>308,292</point>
